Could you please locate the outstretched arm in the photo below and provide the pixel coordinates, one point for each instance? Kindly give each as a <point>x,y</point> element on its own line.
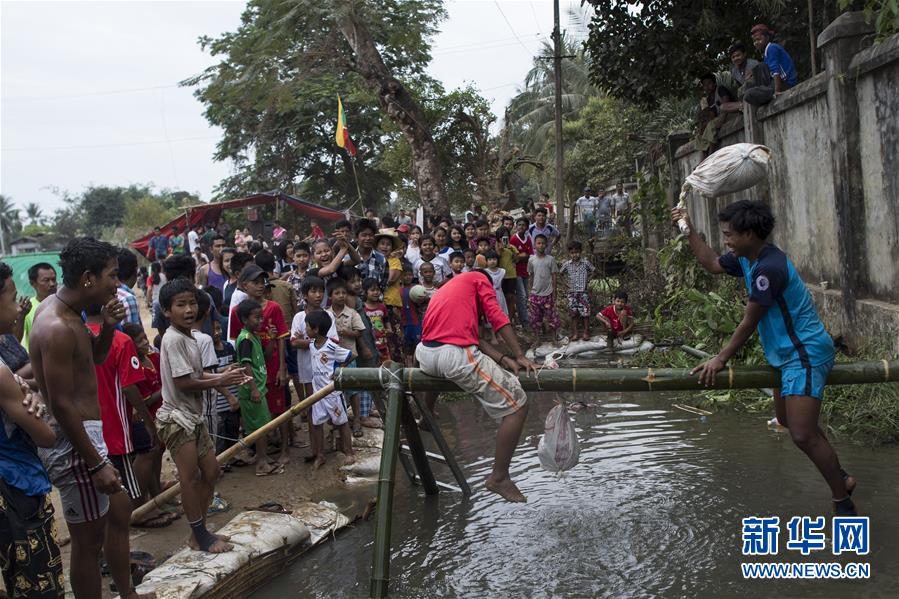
<point>751,317</point>
<point>706,255</point>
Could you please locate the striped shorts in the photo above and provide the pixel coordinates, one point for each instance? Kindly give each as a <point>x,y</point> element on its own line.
<point>81,501</point>
<point>498,390</point>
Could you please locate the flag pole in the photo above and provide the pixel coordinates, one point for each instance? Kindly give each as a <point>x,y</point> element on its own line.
<point>358,189</point>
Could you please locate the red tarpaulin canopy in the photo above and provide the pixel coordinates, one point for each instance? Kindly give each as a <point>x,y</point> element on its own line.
<point>204,213</point>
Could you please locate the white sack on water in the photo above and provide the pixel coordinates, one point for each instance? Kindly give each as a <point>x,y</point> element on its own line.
<point>558,448</point>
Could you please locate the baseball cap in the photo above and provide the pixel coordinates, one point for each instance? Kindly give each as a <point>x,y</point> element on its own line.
<point>251,272</point>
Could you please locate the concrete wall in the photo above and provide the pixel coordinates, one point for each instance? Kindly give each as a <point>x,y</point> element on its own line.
<point>876,86</point>
<point>833,180</point>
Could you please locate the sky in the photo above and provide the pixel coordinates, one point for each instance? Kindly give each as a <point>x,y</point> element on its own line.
<point>89,91</point>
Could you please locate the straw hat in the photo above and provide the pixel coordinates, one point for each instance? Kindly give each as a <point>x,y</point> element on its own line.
<point>392,236</point>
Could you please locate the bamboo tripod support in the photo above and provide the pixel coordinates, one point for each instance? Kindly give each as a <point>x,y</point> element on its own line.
<point>173,491</point>
<point>401,380</point>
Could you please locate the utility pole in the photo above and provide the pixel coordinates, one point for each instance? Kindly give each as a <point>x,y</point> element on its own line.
<point>557,77</point>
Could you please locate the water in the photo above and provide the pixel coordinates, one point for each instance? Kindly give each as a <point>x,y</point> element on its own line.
<point>652,510</point>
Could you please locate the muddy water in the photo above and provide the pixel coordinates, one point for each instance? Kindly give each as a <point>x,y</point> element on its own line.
<point>653,509</point>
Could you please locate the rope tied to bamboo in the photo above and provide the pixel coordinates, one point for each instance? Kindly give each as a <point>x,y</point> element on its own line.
<point>394,382</point>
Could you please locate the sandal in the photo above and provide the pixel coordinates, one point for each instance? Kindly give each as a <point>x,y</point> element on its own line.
<point>275,469</point>
<point>158,521</point>
<point>273,507</point>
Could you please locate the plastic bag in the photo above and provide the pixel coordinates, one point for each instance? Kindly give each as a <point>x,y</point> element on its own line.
<point>558,448</point>
<point>732,168</point>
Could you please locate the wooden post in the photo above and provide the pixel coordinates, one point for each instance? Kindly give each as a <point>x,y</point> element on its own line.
<point>380,563</point>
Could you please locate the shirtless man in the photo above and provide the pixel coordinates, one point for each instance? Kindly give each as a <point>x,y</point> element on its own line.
<point>63,355</point>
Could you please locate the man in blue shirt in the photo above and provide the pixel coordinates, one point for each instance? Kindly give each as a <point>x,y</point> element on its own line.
<point>159,244</point>
<point>776,57</point>
<point>792,335</point>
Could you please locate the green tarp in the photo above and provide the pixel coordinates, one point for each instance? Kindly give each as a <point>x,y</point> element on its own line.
<point>22,262</point>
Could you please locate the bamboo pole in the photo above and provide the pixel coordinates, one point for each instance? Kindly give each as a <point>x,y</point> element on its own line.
<point>447,458</point>
<point>417,447</point>
<point>631,379</point>
<point>380,562</point>
<point>173,491</point>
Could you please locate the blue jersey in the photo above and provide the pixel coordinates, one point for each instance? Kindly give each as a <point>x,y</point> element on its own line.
<point>790,330</point>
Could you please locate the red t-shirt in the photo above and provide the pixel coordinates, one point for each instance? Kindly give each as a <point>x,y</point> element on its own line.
<point>527,247</point>
<point>151,383</point>
<point>452,315</point>
<point>120,369</point>
<point>609,312</point>
<point>271,315</point>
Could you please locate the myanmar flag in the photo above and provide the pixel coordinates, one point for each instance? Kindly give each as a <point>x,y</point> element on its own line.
<point>343,134</point>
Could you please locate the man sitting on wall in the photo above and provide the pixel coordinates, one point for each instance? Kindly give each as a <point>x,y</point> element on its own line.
<point>711,113</point>
<point>779,64</point>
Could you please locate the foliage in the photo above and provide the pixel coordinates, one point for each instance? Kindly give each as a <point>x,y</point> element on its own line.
<point>10,221</point>
<point>598,149</point>
<point>883,13</point>
<point>647,51</point>
<point>34,213</point>
<point>274,94</point>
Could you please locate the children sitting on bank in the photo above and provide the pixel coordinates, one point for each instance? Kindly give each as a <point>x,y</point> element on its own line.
<point>180,422</point>
<point>325,357</point>
<point>542,270</point>
<point>578,271</point>
<point>617,317</point>
<point>251,395</point>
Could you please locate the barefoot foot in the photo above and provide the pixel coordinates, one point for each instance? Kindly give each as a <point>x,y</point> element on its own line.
<point>319,462</point>
<point>220,546</point>
<point>505,488</point>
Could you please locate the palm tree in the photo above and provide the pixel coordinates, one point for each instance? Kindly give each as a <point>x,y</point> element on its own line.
<point>10,223</point>
<point>531,112</point>
<point>34,214</point>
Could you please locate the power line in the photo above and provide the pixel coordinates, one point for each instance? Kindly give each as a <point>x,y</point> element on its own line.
<point>536,20</point>
<point>512,29</point>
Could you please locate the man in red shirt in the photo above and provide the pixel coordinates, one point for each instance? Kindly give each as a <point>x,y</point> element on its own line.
<point>450,348</point>
<point>117,394</point>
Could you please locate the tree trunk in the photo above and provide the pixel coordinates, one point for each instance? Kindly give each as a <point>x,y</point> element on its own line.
<point>400,107</point>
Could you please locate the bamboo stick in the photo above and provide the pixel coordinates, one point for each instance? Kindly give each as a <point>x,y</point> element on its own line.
<point>702,355</point>
<point>380,562</point>
<point>631,379</point>
<point>419,458</point>
<point>173,491</point>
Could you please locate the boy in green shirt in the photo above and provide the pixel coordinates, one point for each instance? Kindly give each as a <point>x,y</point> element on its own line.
<point>253,407</point>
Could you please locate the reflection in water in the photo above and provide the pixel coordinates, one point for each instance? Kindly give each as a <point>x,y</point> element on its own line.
<point>652,510</point>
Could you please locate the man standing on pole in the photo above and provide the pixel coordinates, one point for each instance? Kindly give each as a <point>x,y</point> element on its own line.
<point>450,348</point>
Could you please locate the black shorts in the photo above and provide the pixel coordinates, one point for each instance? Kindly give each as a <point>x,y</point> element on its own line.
<point>509,286</point>
<point>122,463</point>
<point>140,437</point>
<point>32,565</point>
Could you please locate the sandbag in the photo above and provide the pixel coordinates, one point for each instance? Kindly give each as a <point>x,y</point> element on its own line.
<point>558,448</point>
<point>732,168</point>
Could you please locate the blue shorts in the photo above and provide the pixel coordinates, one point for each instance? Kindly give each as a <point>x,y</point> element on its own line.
<point>411,334</point>
<point>290,356</point>
<point>809,381</point>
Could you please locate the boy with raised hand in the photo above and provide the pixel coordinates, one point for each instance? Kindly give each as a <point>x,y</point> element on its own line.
<point>27,525</point>
<point>792,335</point>
<point>253,409</point>
<point>181,424</point>
<point>275,333</point>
